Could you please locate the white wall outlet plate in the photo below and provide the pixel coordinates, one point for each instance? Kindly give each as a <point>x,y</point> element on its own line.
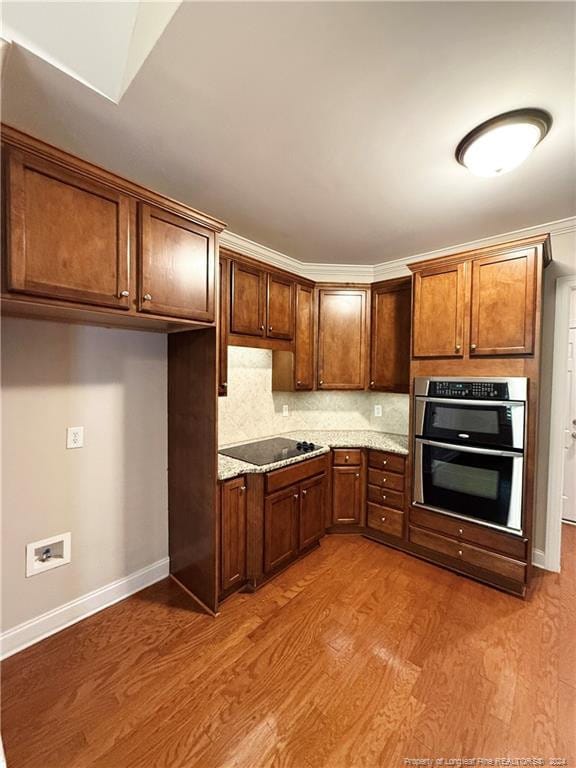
<point>45,554</point>
<point>75,437</point>
<point>285,411</point>
<point>377,410</point>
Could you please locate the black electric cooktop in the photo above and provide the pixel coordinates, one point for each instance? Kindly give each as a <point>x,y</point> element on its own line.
<point>269,451</point>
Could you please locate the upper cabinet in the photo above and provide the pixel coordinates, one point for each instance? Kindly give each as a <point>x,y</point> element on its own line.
<point>83,243</point>
<point>68,236</point>
<point>479,304</point>
<point>304,342</point>
<point>503,304</point>
<point>177,270</point>
<point>261,305</point>
<point>390,338</point>
<point>343,335</point>
<point>247,300</point>
<point>439,293</point>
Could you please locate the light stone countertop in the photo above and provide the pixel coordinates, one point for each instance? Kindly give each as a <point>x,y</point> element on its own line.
<point>325,439</point>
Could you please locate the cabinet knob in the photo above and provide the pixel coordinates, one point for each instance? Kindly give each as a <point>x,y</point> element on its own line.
<point>460,552</point>
<point>295,495</point>
<point>383,519</point>
<point>346,458</point>
<point>384,496</point>
<point>383,480</point>
<point>384,462</point>
<point>460,532</point>
<point>321,382</point>
<point>298,383</point>
<point>261,327</point>
<point>304,492</point>
<point>224,384</point>
<point>269,327</point>
<point>124,294</point>
<point>242,488</point>
<point>473,347</point>
<point>357,474</point>
<point>457,348</point>
<point>147,297</point>
<point>371,383</point>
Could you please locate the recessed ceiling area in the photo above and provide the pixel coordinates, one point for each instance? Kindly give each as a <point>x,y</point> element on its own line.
<point>327,131</point>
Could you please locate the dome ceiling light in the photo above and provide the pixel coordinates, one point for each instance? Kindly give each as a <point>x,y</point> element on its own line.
<point>502,143</point>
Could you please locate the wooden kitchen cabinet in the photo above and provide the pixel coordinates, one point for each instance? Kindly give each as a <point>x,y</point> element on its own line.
<point>347,495</point>
<point>68,236</point>
<point>281,528</point>
<point>279,307</point>
<point>232,534</point>
<point>390,336</point>
<point>343,335</point>
<point>177,266</point>
<point>247,300</point>
<point>223,298</point>
<point>439,298</point>
<point>293,370</point>
<point>503,304</point>
<point>312,511</point>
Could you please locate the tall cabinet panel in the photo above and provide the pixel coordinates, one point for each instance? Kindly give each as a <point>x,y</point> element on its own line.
<point>247,300</point>
<point>232,534</point>
<point>343,335</point>
<point>390,341</point>
<point>439,294</point>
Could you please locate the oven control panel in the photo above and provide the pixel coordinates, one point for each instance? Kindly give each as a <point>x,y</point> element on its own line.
<point>469,390</point>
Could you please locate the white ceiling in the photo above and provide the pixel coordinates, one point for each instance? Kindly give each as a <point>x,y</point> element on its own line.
<point>327,130</point>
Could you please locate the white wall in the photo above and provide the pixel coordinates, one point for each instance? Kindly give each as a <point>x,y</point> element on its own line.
<point>111,494</point>
<point>252,410</point>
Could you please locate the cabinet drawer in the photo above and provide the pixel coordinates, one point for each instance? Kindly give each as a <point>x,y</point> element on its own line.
<point>280,478</point>
<point>385,497</point>
<point>464,531</point>
<point>391,462</point>
<point>471,556</point>
<point>385,520</point>
<point>385,479</point>
<point>347,457</point>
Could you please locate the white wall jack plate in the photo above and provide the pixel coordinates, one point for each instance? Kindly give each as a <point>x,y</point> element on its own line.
<point>75,437</point>
<point>49,553</point>
<point>285,411</point>
<point>377,410</point>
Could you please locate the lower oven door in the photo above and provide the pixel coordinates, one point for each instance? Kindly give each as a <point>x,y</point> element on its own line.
<point>479,484</point>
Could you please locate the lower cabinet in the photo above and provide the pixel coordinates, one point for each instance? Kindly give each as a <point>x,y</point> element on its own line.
<point>281,528</point>
<point>312,506</point>
<point>347,495</point>
<point>232,534</point>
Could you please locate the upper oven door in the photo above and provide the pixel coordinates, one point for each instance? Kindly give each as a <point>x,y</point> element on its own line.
<point>478,422</point>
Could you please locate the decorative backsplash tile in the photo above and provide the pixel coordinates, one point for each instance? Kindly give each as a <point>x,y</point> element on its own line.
<point>251,410</point>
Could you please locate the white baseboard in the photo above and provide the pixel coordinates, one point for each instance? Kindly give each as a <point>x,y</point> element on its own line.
<point>539,558</point>
<point>30,632</point>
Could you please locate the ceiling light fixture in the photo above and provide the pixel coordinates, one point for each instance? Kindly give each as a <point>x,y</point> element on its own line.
<point>503,142</point>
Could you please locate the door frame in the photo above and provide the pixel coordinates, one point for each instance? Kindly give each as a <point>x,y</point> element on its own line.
<point>564,288</point>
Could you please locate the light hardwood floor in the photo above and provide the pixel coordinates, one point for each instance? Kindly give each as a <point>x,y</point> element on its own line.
<point>357,656</point>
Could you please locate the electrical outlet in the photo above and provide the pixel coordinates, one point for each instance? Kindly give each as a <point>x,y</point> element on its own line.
<point>49,553</point>
<point>75,437</point>
<point>377,410</point>
<point>285,411</point>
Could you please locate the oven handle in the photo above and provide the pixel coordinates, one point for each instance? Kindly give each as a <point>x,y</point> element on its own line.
<point>469,449</point>
<point>454,401</point>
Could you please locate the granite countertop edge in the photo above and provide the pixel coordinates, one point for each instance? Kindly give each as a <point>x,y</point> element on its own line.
<point>229,468</point>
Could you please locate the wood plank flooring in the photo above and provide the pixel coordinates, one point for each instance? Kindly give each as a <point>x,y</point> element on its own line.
<point>356,657</point>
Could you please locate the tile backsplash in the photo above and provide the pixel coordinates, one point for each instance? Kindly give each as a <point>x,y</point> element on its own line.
<point>251,410</point>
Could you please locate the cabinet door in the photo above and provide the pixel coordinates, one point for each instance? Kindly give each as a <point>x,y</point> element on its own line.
<point>438,327</point>
<point>390,338</point>
<point>346,495</point>
<point>246,300</point>
<point>232,533</point>
<point>68,236</point>
<point>312,511</point>
<point>280,307</point>
<point>342,338</point>
<point>503,304</point>
<point>280,528</point>
<point>223,296</point>
<point>177,266</point>
<point>304,352</point>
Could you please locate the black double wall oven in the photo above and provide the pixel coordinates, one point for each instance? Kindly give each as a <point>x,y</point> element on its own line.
<point>469,448</point>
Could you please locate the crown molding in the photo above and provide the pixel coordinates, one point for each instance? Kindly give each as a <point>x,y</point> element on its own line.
<point>386,270</point>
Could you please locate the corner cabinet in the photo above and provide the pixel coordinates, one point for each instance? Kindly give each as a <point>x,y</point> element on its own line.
<point>68,236</point>
<point>390,337</point>
<point>479,304</point>
<point>343,334</point>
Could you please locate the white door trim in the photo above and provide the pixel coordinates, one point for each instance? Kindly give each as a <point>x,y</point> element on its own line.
<point>564,287</point>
